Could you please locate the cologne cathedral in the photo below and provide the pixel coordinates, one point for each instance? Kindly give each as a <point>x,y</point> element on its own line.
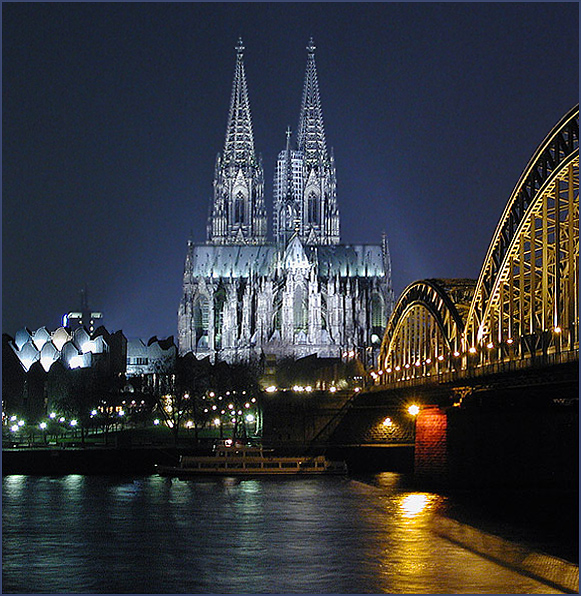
<point>300,293</point>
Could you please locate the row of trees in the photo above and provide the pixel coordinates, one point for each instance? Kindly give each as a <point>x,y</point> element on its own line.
<point>187,391</point>
<point>202,393</point>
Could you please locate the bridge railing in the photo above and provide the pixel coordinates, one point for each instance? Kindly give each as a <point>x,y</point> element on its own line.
<point>534,361</point>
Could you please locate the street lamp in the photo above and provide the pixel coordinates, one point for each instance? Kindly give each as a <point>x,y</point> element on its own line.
<point>413,410</point>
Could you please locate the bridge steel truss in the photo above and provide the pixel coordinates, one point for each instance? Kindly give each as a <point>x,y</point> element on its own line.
<point>424,333</point>
<point>525,302</point>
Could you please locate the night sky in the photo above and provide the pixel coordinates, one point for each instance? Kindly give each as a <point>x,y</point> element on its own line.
<point>113,115</point>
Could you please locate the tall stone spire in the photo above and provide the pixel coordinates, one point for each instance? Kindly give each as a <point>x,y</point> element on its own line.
<point>239,144</point>
<point>311,132</point>
<point>309,174</point>
<point>238,214</point>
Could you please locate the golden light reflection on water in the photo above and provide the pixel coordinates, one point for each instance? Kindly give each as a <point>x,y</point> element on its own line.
<point>414,504</point>
<point>410,551</point>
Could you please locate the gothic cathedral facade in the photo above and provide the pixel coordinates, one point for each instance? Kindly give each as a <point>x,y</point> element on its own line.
<point>303,293</point>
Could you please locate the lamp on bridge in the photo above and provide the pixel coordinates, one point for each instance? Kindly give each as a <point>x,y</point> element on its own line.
<point>413,410</point>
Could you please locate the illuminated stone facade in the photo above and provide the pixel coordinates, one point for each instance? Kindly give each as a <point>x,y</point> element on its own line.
<point>304,293</point>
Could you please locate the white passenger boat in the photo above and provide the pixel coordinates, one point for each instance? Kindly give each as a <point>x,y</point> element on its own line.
<point>234,459</point>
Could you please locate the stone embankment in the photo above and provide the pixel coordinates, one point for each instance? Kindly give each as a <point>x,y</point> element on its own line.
<point>548,569</point>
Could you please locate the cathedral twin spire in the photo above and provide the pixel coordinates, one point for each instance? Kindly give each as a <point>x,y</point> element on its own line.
<point>239,144</point>
<point>238,213</point>
<point>311,132</point>
<point>304,194</point>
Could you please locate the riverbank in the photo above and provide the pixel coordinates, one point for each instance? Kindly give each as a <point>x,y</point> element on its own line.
<point>551,570</point>
<point>90,460</point>
<point>125,457</point>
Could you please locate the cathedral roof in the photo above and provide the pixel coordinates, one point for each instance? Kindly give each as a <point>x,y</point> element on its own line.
<point>232,260</point>
<point>344,260</point>
<point>295,256</point>
<point>350,260</point>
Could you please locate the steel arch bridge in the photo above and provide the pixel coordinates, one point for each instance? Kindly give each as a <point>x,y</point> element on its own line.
<point>524,305</point>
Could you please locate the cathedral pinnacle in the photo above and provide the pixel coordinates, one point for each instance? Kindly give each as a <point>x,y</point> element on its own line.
<point>311,132</point>
<point>238,213</point>
<point>239,143</point>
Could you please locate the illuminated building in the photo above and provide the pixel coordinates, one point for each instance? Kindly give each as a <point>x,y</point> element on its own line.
<point>71,348</point>
<point>304,293</point>
<point>84,317</point>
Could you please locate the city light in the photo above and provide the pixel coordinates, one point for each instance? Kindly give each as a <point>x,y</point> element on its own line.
<point>216,421</point>
<point>42,426</point>
<point>270,389</point>
<point>14,428</point>
<point>156,421</point>
<point>332,389</point>
<point>387,422</point>
<point>413,410</point>
<point>250,418</point>
<point>73,422</point>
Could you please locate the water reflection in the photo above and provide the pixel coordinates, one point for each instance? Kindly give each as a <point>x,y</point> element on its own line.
<point>414,504</point>
<point>307,535</point>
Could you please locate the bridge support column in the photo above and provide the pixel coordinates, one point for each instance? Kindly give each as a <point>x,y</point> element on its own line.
<point>431,450</point>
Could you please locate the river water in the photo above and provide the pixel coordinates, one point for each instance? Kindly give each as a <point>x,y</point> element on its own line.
<point>95,534</point>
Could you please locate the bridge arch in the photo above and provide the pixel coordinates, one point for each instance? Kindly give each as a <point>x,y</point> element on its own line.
<point>525,301</point>
<point>526,297</point>
<point>424,332</point>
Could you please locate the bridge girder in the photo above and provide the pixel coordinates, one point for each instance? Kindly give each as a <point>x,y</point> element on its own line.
<point>526,297</point>
<point>426,325</point>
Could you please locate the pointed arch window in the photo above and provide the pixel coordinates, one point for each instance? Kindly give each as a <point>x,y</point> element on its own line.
<point>300,309</point>
<point>239,208</point>
<point>313,208</point>
<point>377,312</point>
<point>201,317</point>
